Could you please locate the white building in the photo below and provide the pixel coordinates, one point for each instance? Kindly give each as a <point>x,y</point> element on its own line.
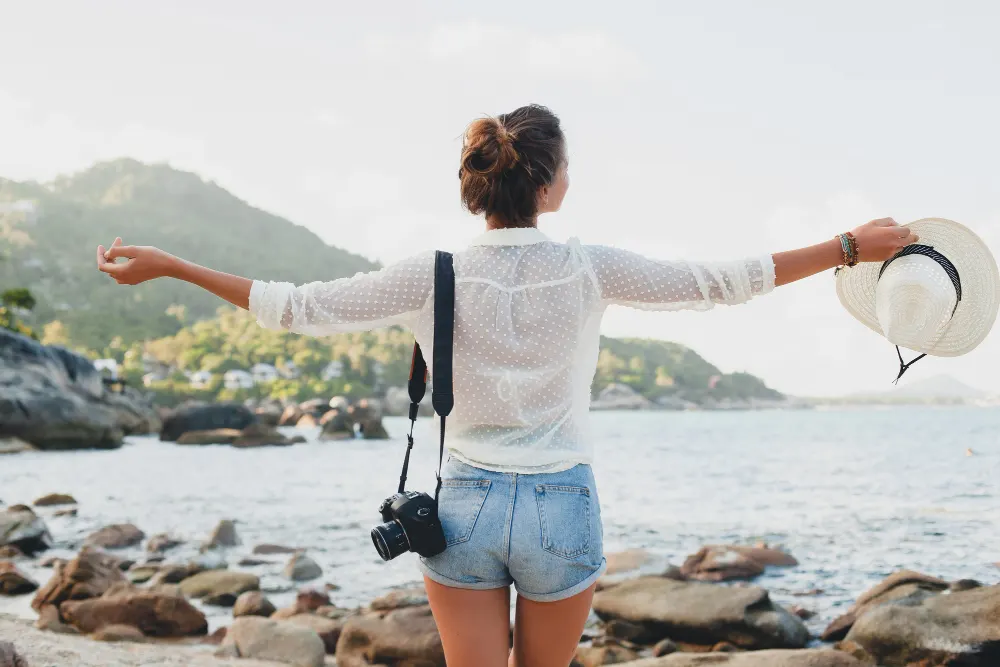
<point>237,379</point>
<point>153,376</point>
<point>200,379</point>
<point>263,373</point>
<point>108,365</point>
<point>332,371</point>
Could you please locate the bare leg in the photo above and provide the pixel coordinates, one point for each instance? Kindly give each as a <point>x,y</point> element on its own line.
<point>474,625</point>
<point>546,634</point>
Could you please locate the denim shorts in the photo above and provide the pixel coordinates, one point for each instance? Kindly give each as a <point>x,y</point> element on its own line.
<point>540,532</point>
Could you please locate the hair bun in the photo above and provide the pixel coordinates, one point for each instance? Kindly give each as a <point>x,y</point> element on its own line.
<point>489,148</point>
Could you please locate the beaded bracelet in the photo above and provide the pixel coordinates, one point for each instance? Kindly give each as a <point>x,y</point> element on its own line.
<point>849,246</point>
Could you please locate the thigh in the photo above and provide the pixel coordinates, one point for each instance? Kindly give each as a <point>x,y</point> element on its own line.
<point>474,624</point>
<point>546,634</point>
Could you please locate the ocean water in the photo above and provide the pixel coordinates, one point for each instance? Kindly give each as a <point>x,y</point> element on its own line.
<point>853,494</point>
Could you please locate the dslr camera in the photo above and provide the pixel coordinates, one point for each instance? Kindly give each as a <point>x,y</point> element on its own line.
<point>411,524</point>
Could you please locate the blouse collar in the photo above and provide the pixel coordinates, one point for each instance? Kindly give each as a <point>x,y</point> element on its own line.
<point>510,236</point>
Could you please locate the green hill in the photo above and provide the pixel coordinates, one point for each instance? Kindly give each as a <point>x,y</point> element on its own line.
<point>48,234</point>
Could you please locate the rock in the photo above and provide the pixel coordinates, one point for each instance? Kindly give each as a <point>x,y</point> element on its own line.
<point>726,562</point>
<point>65,512</point>
<point>772,658</point>
<point>51,561</point>
<point>373,429</point>
<point>11,552</point>
<point>14,446</point>
<point>9,656</point>
<point>700,613</point>
<point>89,575</point>
<point>337,425</point>
<point>55,499</point>
<point>402,636</point>
<point>215,436</point>
<point>617,396</point>
<point>118,633</point>
<point>174,573</point>
<point>141,573</point>
<point>328,629</point>
<point>399,598</point>
<point>314,406</point>
<point>253,603</point>
<point>306,421</point>
<point>802,612</point>
<point>593,656</point>
<point>15,582</point>
<point>20,527</point>
<point>290,416</point>
<point>216,637</point>
<point>269,414</point>
<point>626,561</point>
<point>206,418</point>
<point>724,647</point>
<point>309,600</point>
<point>253,562</point>
<point>212,559</point>
<point>154,614</point>
<point>664,647</point>
<point>265,639</point>
<point>219,587</point>
<point>125,564</point>
<point>162,542</point>
<point>963,585</point>
<point>224,535</point>
<point>259,435</point>
<point>269,549</point>
<point>48,619</point>
<point>116,536</point>
<point>904,584</point>
<point>297,440</point>
<point>960,628</point>
<point>302,568</point>
<point>53,398</point>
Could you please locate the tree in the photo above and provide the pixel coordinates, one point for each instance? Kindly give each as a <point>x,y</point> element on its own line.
<point>13,303</point>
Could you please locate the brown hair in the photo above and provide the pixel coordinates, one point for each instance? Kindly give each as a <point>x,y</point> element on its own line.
<point>506,160</point>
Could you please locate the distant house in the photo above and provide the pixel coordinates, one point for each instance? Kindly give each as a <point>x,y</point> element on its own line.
<point>332,371</point>
<point>153,376</point>
<point>263,373</point>
<point>200,379</point>
<point>237,379</point>
<point>108,367</point>
<point>24,207</point>
<point>289,371</point>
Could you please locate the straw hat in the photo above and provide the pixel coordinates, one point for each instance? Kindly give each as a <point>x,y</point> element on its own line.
<point>938,296</point>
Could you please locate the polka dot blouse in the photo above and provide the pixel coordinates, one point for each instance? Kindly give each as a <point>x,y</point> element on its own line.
<point>527,321</point>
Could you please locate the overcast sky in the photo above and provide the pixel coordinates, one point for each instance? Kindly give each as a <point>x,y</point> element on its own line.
<point>696,131</point>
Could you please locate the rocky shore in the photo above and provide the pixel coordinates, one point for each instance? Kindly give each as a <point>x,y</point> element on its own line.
<point>100,608</point>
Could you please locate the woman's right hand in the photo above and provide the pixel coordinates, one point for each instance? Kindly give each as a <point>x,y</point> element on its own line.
<point>880,239</point>
<point>142,263</point>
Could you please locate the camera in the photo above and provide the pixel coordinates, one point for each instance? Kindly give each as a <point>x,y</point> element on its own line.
<point>411,524</point>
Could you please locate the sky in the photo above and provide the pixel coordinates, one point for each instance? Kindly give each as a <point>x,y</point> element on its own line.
<point>712,130</point>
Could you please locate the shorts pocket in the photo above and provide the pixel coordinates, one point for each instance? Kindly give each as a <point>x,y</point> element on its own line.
<point>458,507</point>
<point>564,515</point>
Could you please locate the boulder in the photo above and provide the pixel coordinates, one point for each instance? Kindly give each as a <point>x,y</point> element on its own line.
<point>118,633</point>
<point>153,614</point>
<point>140,573</point>
<point>373,429</point>
<point>726,562</point>
<point>403,636</point>
<point>306,421</point>
<point>309,600</point>
<point>933,630</point>
<point>14,446</point>
<point>48,620</point>
<point>116,536</point>
<point>337,425</point>
<point>328,629</point>
<point>290,416</point>
<point>219,587</point>
<point>15,582</point>
<point>260,435</point>
<point>206,418</point>
<point>224,535</point>
<point>55,499</point>
<point>265,639</point>
<point>269,413</point>
<point>626,561</point>
<point>399,598</point>
<point>174,573</point>
<point>772,658</point>
<point>89,575</point>
<point>215,436</point>
<point>9,656</point>
<point>162,542</point>
<point>20,527</point>
<point>594,656</point>
<point>903,585</point>
<point>269,549</point>
<point>70,511</point>
<point>700,613</point>
<point>10,552</point>
<point>253,603</point>
<point>302,568</point>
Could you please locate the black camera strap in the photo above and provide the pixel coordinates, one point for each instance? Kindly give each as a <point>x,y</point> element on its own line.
<point>442,395</point>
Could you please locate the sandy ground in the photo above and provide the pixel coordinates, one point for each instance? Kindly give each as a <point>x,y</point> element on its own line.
<point>48,649</point>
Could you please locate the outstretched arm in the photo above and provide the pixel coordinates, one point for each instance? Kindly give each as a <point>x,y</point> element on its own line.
<point>363,301</point>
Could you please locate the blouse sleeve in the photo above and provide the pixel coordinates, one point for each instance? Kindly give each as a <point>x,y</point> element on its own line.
<point>391,295</point>
<point>629,279</point>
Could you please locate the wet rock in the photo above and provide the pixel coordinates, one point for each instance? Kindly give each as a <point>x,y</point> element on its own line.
<point>664,647</point>
<point>219,587</point>
<point>89,575</point>
<point>309,600</point>
<point>253,562</point>
<point>140,573</point>
<point>402,636</point>
<point>116,536</point>
<point>259,435</point>
<point>328,629</point>
<point>118,633</point>
<point>960,628</point>
<point>215,436</point>
<point>373,429</point>
<point>9,656</point>
<point>802,612</point>
<point>269,549</point>
<point>902,585</point>
<point>48,619</point>
<point>14,446</point>
<point>297,440</point>
<point>50,561</point>
<point>306,421</point>
<point>174,573</point>
<point>10,552</point>
<point>253,603</point>
<point>302,568</point>
<point>20,527</point>
<point>399,598</point>
<point>206,418</point>
<point>153,614</point>
<point>700,613</point>
<point>71,511</point>
<point>290,416</point>
<point>727,562</point>
<point>55,499</point>
<point>265,639</point>
<point>15,582</point>
<point>771,658</point>
<point>594,656</point>
<point>125,564</point>
<point>627,561</point>
<point>963,585</point>
<point>314,406</point>
<point>337,425</point>
<point>224,535</point>
<point>269,413</point>
<point>162,542</point>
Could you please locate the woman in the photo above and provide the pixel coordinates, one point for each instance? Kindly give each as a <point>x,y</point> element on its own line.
<point>519,504</point>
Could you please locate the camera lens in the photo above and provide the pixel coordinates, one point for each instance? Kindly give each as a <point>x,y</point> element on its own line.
<point>390,540</point>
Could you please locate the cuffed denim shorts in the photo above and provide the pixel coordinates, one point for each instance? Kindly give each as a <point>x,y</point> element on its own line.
<point>540,532</point>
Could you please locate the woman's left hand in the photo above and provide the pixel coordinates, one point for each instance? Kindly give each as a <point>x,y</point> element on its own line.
<point>143,263</point>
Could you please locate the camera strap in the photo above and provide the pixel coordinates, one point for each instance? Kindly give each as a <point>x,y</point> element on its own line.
<point>442,395</point>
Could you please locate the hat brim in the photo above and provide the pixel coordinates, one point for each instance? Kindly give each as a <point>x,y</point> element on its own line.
<point>976,267</point>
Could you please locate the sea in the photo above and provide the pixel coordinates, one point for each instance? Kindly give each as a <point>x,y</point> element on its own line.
<point>854,493</point>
